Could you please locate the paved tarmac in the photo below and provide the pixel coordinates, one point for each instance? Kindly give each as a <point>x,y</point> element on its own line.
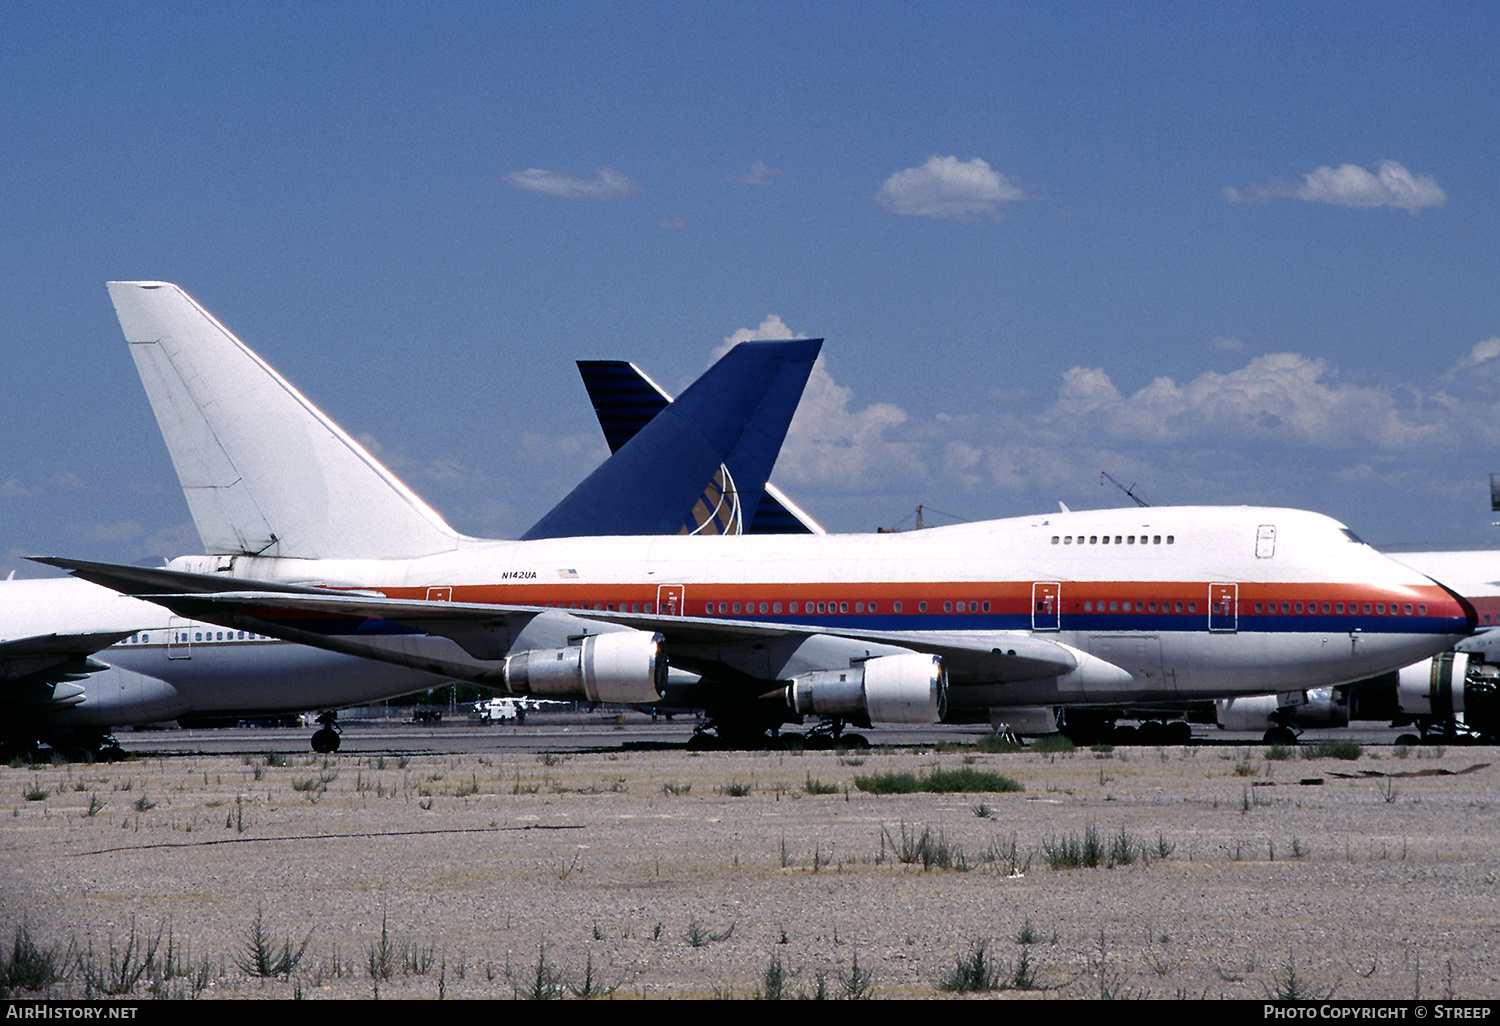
<point>569,732</point>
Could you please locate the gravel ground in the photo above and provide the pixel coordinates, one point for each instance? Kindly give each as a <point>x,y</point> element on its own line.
<point>648,873</point>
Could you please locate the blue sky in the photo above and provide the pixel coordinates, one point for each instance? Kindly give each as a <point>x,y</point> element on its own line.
<point>1236,254</point>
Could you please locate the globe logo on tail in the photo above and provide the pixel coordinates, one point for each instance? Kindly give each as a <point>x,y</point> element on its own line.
<point>717,511</point>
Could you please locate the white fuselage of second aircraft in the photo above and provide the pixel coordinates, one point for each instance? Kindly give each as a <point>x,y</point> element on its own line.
<point>1151,604</point>
<point>168,667</point>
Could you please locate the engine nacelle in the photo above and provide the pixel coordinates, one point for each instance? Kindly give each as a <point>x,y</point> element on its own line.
<point>626,667</point>
<point>1318,708</point>
<point>909,688</point>
<point>1434,687</point>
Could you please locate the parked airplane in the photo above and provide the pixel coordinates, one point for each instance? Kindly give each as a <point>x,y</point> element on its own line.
<point>77,660</point>
<point>1074,609</point>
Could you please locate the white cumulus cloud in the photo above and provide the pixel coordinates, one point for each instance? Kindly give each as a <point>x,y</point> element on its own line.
<point>1349,185</point>
<point>759,173</point>
<point>1391,185</point>
<point>606,184</point>
<point>947,188</point>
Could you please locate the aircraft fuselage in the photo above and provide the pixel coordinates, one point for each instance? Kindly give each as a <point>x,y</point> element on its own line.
<point>1161,603</point>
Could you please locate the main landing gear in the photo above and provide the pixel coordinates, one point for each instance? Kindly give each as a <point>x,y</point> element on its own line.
<point>80,746</point>
<point>737,735</point>
<point>326,741</point>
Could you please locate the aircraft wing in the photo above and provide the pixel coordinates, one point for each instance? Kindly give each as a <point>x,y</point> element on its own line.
<point>40,670</point>
<point>58,645</point>
<point>971,657</point>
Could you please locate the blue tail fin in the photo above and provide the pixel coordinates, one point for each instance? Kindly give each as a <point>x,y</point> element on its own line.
<point>625,401</point>
<point>699,464</point>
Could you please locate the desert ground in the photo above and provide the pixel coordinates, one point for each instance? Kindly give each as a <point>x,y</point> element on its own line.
<point>663,873</point>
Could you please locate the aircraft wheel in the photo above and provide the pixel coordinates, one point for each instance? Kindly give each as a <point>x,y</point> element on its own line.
<point>1179,732</point>
<point>854,741</point>
<point>1126,736</point>
<point>1280,736</point>
<point>703,742</point>
<point>1409,740</point>
<point>325,741</point>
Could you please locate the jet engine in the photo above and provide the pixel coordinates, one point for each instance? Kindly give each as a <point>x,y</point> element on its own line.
<point>1321,707</point>
<point>1437,686</point>
<point>909,688</point>
<point>1453,696</point>
<point>622,666</point>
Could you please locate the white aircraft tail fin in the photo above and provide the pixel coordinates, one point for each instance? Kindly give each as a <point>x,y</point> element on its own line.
<point>264,470</point>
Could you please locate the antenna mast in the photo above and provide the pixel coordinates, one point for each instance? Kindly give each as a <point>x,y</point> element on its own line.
<point>1129,492</point>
